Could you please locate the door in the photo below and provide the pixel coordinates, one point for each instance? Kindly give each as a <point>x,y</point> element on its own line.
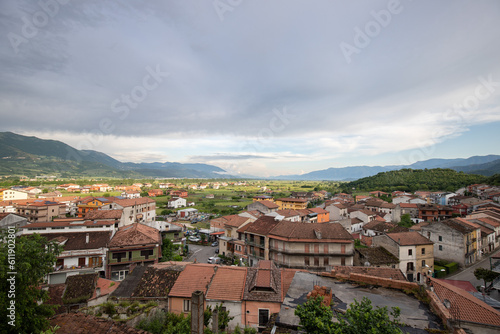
<point>81,262</point>
<point>263,317</point>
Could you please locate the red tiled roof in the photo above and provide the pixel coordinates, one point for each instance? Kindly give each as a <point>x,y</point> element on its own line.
<point>104,214</point>
<point>312,232</point>
<point>465,306</point>
<point>319,210</point>
<point>228,283</point>
<point>235,220</point>
<point>464,285</point>
<point>78,240</point>
<point>106,286</point>
<point>193,277</point>
<point>287,276</point>
<point>135,234</point>
<point>68,223</point>
<point>292,200</point>
<point>262,226</point>
<point>133,201</point>
<point>409,239</point>
<point>269,204</point>
<point>408,205</point>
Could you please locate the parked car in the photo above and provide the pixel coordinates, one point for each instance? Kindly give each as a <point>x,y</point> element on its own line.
<point>214,260</point>
<point>217,250</point>
<point>194,239</point>
<point>215,243</point>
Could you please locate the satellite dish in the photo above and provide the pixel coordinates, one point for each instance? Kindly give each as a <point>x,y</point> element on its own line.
<point>367,264</point>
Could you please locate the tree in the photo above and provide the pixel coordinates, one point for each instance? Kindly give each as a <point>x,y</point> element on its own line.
<point>486,275</point>
<point>360,317</point>
<point>34,259</point>
<point>167,250</point>
<point>315,318</point>
<point>406,220</point>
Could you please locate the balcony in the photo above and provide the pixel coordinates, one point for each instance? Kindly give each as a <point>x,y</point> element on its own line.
<point>255,244</point>
<point>304,253</point>
<point>259,256</point>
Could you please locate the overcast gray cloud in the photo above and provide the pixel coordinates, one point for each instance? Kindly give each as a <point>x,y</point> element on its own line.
<point>259,80</point>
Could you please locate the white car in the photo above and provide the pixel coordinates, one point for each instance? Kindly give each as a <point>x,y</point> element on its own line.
<point>194,239</point>
<point>214,260</point>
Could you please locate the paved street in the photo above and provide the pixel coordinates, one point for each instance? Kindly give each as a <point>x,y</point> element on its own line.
<point>200,253</point>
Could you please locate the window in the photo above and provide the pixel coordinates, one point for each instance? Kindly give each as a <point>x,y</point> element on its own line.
<point>409,266</point>
<point>440,247</point>
<point>325,262</point>
<point>306,260</point>
<point>423,251</point>
<point>342,261</point>
<point>187,305</point>
<point>147,253</point>
<point>440,238</point>
<point>118,256</point>
<point>410,252</point>
<point>423,263</point>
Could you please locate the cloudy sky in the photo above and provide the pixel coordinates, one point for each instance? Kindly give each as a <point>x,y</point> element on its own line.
<point>256,87</point>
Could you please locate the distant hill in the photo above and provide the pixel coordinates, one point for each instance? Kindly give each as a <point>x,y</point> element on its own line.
<point>487,169</point>
<point>484,165</point>
<point>23,155</point>
<point>415,179</point>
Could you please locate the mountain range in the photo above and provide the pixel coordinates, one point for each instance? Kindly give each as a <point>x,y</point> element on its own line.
<point>483,165</point>
<point>23,155</point>
<point>30,156</point>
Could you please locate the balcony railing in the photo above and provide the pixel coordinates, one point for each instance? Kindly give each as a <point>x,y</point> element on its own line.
<point>303,252</point>
<point>253,243</point>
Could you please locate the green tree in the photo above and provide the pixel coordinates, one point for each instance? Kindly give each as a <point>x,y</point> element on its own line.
<point>33,259</point>
<point>315,318</point>
<point>360,317</point>
<point>167,250</point>
<point>406,220</point>
<point>486,275</point>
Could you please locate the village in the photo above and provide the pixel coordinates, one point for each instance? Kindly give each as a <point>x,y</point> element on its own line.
<point>267,255</point>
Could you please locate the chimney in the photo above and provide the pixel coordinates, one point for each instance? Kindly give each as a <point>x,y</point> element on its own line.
<point>87,238</point>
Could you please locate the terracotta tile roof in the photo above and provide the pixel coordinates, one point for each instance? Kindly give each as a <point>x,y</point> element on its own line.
<point>381,272</point>
<point>355,221</point>
<point>65,223</point>
<point>465,306</point>
<point>194,277</point>
<point>409,238</point>
<point>55,297</point>
<point>262,226</point>
<point>135,234</point>
<point>228,283</point>
<point>313,232</point>
<point>408,205</point>
<point>158,280</point>
<point>104,214</point>
<point>254,213</point>
<point>77,240</point>
<point>133,201</point>
<point>298,200</point>
<point>458,226</point>
<point>80,288</point>
<point>263,284</point>
<point>288,213</point>
<point>287,276</point>
<point>490,221</point>
<point>106,287</point>
<point>319,210</point>
<point>376,256</point>
<point>269,204</point>
<point>464,285</point>
<point>235,220</point>
<point>79,323</point>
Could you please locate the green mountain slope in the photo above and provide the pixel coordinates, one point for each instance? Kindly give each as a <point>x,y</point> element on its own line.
<point>415,179</point>
<point>30,156</point>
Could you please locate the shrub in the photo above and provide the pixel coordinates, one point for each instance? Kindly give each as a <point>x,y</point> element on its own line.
<point>109,308</point>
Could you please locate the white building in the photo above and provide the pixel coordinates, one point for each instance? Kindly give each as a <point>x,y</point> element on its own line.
<point>178,202</point>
